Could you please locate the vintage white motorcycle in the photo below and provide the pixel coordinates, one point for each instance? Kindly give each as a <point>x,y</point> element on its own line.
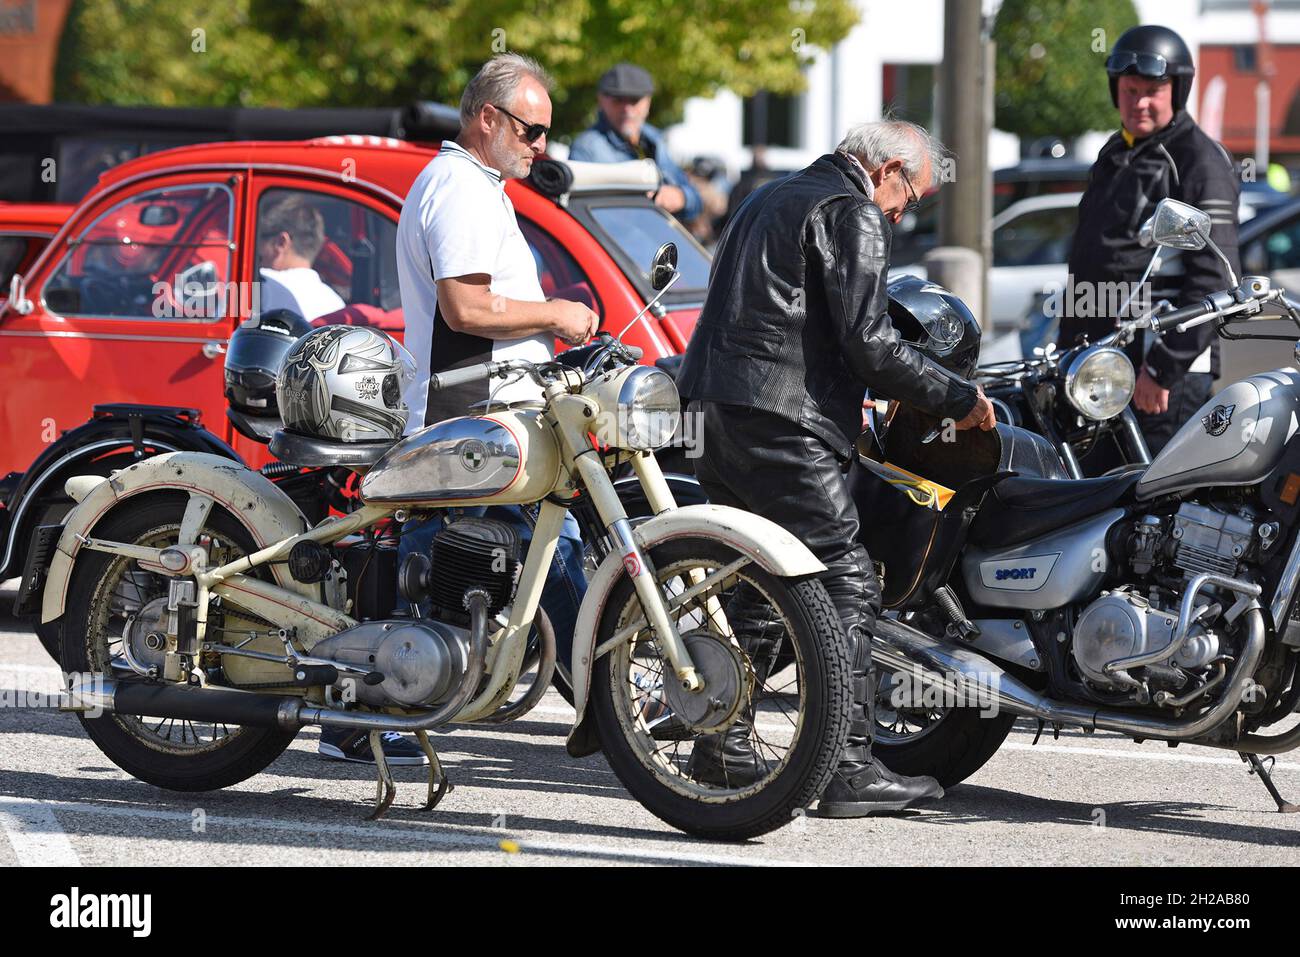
<point>212,623</point>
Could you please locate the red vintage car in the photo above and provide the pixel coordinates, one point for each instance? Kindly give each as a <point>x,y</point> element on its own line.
<point>135,298</point>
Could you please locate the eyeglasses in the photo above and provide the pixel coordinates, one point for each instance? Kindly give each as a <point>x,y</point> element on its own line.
<point>1151,65</point>
<point>532,131</point>
<point>915,202</point>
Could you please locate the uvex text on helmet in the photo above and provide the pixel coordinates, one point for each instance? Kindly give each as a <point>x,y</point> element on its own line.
<point>344,383</point>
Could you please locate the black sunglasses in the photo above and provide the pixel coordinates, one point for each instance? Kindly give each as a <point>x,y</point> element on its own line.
<point>1151,65</point>
<point>532,131</point>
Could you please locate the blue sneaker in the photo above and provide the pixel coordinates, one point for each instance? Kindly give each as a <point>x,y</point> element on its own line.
<point>344,744</point>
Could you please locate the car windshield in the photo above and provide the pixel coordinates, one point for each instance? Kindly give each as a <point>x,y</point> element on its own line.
<point>638,231</point>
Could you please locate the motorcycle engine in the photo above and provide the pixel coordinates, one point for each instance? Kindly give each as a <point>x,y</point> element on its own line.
<point>1122,624</point>
<point>420,661</point>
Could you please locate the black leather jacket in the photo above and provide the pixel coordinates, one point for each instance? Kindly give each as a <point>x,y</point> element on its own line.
<point>795,320</point>
<point>1124,185</point>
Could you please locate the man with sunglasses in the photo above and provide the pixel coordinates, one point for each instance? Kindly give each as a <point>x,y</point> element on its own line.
<point>1158,152</point>
<point>793,329</point>
<point>470,294</point>
<point>621,133</point>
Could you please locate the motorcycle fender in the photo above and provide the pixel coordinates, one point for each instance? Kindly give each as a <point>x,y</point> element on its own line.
<point>265,511</point>
<point>772,547</point>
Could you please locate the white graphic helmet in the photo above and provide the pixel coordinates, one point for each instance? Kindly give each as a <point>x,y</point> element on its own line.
<point>345,383</point>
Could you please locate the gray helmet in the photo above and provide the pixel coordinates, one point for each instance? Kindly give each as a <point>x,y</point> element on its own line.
<point>345,383</point>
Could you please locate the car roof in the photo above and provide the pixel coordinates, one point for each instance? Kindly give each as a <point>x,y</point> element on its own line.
<point>1266,219</point>
<point>386,162</point>
<point>34,215</point>
<point>1033,204</point>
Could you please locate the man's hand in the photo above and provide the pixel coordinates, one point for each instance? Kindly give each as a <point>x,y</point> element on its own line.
<point>981,416</point>
<point>1148,396</point>
<point>574,323</point>
<point>670,198</point>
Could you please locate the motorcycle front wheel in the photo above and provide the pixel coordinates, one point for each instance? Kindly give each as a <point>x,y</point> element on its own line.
<point>796,716</point>
<point>108,594</point>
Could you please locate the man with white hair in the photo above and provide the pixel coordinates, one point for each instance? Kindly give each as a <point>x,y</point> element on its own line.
<point>793,328</point>
<point>470,294</point>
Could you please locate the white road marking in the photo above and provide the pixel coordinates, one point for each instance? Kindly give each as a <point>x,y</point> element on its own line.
<point>37,838</point>
<point>1139,756</point>
<point>406,835</point>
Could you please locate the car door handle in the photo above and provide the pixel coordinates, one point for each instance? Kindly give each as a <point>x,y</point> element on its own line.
<point>213,349</point>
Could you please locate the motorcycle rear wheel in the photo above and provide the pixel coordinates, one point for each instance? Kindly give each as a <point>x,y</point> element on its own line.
<point>177,755</point>
<point>801,712</point>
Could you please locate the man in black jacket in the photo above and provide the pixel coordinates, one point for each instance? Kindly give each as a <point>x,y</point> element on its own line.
<point>1158,152</point>
<point>793,328</point>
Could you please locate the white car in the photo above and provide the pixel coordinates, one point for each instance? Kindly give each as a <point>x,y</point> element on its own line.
<point>1031,247</point>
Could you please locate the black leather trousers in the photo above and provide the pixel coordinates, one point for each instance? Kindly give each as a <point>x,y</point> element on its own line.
<point>767,465</point>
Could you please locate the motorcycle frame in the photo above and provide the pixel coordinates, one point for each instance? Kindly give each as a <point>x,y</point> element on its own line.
<point>570,417</point>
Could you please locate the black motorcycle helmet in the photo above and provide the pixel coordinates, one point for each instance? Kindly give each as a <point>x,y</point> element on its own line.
<point>1154,52</point>
<point>254,356</point>
<point>936,322</point>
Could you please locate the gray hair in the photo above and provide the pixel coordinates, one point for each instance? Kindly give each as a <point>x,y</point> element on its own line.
<point>877,142</point>
<point>496,83</point>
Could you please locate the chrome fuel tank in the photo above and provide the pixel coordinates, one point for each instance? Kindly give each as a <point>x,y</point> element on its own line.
<point>1234,439</point>
<point>506,458</point>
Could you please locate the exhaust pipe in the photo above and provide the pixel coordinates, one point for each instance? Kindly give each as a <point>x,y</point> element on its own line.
<point>219,705</point>
<point>954,670</point>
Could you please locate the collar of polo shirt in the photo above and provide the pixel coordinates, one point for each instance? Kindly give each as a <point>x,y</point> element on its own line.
<point>455,149</point>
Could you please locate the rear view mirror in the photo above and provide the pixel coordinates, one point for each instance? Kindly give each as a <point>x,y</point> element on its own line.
<point>663,266</point>
<point>1179,226</point>
<point>158,215</point>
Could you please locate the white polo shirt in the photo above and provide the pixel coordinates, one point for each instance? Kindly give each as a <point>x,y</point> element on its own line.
<point>300,289</point>
<point>458,221</point>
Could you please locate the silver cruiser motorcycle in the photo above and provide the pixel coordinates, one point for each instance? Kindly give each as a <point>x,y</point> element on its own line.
<point>1158,602</point>
<point>209,621</point>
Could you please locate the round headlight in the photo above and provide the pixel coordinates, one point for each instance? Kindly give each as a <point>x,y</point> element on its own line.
<point>1100,382</point>
<point>649,409</point>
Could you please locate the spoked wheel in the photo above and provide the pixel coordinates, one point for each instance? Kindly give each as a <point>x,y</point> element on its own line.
<point>949,744</point>
<point>112,627</point>
<point>795,718</point>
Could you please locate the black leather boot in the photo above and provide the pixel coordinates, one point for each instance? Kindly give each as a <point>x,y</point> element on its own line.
<point>862,786</point>
<point>729,760</point>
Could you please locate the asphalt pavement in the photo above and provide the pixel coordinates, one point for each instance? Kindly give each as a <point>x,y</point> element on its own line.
<point>519,800</point>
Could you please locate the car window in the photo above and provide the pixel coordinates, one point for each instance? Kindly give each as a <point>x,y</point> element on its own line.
<point>640,230</point>
<point>1039,238</point>
<point>13,250</point>
<point>559,273</point>
<point>163,254</point>
<point>318,253</point>
<point>1279,248</point>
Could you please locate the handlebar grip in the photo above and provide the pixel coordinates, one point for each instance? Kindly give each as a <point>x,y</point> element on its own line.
<point>634,352</point>
<point>445,380</point>
<point>1171,319</point>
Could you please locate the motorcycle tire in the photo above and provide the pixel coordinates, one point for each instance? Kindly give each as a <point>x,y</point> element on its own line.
<point>658,778</point>
<point>126,740</point>
<point>950,751</point>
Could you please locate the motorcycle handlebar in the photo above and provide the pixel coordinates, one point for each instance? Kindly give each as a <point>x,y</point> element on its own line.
<point>1171,319</point>
<point>483,370</point>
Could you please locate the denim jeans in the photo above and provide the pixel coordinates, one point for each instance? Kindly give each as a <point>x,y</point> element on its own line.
<point>566,583</point>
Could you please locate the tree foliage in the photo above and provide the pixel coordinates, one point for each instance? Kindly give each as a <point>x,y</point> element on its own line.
<point>298,53</point>
<point>1051,56</point>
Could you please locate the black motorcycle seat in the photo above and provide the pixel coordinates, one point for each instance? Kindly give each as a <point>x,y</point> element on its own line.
<point>1022,508</point>
<point>308,451</point>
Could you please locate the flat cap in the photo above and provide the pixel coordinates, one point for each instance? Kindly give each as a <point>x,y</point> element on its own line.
<point>626,79</point>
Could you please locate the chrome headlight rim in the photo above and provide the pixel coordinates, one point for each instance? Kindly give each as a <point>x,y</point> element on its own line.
<point>635,416</point>
<point>1092,355</point>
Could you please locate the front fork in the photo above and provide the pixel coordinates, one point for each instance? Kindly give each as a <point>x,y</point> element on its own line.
<point>610,509</point>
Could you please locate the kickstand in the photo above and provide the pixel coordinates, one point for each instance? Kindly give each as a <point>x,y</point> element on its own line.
<point>385,789</point>
<point>1258,767</point>
<point>1041,724</point>
<point>439,783</point>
